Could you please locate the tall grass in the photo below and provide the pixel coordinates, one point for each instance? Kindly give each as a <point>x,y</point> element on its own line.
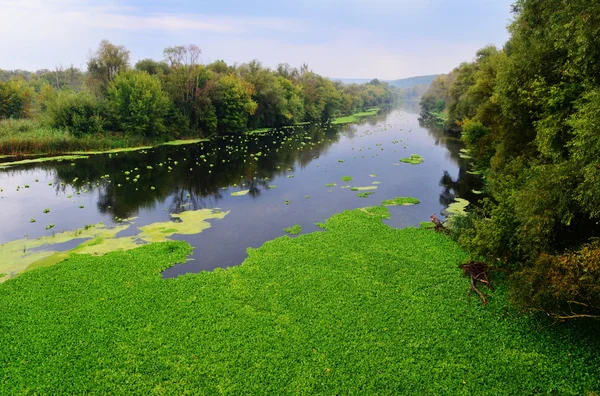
<point>20,137</point>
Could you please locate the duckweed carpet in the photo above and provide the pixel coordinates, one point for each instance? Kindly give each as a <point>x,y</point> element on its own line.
<point>361,307</point>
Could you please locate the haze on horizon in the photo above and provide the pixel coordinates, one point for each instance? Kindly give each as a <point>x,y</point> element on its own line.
<point>386,39</point>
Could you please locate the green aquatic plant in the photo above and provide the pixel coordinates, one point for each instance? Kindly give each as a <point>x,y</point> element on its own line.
<point>347,179</point>
<point>32,220</point>
<point>361,285</point>
<point>400,201</point>
<point>458,207</point>
<point>414,159</point>
<point>365,188</point>
<point>364,194</point>
<point>240,193</point>
<point>46,210</point>
<point>50,226</point>
<point>39,160</point>
<point>293,230</point>
<point>330,185</point>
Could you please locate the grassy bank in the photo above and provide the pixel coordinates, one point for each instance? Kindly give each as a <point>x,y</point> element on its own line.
<point>355,117</point>
<point>26,137</point>
<point>359,308</point>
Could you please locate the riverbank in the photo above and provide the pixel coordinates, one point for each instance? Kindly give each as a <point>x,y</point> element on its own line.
<point>361,307</point>
<point>21,138</point>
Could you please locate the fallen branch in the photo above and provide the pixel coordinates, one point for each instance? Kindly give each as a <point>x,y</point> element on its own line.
<point>438,224</point>
<point>478,272</point>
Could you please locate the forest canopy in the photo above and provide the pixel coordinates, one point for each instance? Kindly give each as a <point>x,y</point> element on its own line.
<point>179,96</point>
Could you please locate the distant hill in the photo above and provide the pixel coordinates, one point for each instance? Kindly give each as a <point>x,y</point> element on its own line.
<point>412,81</point>
<point>401,83</point>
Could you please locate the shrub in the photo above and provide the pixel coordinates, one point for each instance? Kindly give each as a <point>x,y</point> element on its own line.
<point>564,286</point>
<point>79,113</point>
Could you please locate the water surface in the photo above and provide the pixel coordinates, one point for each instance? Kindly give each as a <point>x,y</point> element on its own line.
<point>286,173</point>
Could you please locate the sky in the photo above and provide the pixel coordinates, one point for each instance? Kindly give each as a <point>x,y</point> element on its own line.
<point>386,39</point>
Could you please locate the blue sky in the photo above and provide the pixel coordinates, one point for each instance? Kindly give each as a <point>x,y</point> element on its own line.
<point>387,39</point>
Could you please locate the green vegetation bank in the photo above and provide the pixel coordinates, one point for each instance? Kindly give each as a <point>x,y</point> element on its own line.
<point>530,117</point>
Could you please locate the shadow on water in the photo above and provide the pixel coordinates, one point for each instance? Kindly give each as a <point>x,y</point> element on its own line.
<point>285,173</point>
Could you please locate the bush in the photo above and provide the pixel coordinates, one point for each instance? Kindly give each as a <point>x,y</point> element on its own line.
<point>564,286</point>
<point>137,104</point>
<point>15,99</point>
<point>79,113</point>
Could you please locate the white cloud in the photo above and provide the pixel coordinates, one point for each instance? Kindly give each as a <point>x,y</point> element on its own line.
<point>44,16</point>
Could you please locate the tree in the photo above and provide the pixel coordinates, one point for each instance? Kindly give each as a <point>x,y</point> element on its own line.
<point>233,103</point>
<point>534,108</point>
<point>151,66</point>
<point>104,65</point>
<point>137,104</point>
<point>15,99</point>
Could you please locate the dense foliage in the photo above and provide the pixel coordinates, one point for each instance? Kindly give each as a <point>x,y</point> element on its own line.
<point>361,308</point>
<point>179,96</point>
<point>530,115</point>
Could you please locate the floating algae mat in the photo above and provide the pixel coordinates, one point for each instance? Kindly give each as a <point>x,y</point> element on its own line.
<point>240,193</point>
<point>44,159</point>
<point>365,188</point>
<point>17,256</point>
<point>400,201</point>
<point>414,159</point>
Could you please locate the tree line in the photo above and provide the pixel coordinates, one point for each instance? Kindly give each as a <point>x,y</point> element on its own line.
<point>529,115</point>
<point>179,96</point>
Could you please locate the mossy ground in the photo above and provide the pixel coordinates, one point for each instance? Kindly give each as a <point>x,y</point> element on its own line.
<point>361,308</point>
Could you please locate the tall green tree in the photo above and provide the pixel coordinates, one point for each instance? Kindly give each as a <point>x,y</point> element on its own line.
<point>137,104</point>
<point>104,65</point>
<point>233,103</point>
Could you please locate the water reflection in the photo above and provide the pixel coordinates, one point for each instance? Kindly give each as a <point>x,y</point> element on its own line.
<point>291,165</point>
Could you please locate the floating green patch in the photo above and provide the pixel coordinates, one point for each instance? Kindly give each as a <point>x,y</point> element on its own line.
<point>45,159</point>
<point>182,142</point>
<point>458,207</point>
<point>347,179</point>
<point>414,159</point>
<point>400,201</point>
<point>318,313</point>
<point>293,230</point>
<point>17,256</point>
<point>365,188</point>
<point>364,194</point>
<point>260,131</point>
<point>240,193</point>
<point>330,185</point>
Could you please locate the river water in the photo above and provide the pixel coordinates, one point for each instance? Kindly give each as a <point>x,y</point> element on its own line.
<point>286,173</point>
